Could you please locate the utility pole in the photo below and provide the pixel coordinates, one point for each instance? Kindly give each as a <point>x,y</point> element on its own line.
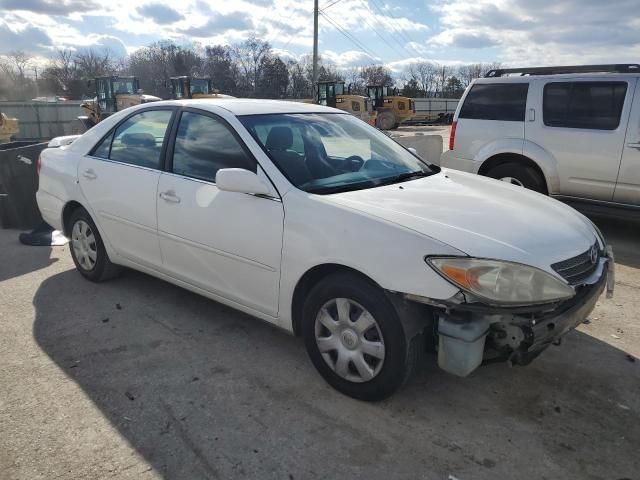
<point>314,87</point>
<point>35,69</point>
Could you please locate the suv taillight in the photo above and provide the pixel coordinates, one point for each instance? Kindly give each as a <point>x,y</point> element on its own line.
<point>452,136</point>
<point>39,164</point>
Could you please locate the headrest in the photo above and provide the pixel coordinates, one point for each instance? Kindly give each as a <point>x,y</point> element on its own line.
<point>139,140</point>
<point>279,138</point>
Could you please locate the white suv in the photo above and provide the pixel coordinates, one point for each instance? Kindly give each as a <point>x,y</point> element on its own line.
<point>570,132</point>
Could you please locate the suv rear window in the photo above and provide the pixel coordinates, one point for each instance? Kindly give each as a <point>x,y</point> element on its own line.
<point>496,101</point>
<point>590,105</point>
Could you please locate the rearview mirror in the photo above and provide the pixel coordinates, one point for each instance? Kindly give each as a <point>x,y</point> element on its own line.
<point>241,181</point>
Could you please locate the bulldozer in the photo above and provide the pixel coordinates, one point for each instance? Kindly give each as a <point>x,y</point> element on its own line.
<point>190,87</point>
<point>392,108</point>
<point>113,94</point>
<point>8,128</point>
<point>332,94</point>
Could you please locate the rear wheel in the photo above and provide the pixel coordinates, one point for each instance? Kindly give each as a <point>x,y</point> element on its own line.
<point>87,249</point>
<point>519,175</point>
<point>355,339</point>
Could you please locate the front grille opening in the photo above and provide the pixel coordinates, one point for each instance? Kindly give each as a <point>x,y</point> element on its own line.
<point>577,269</point>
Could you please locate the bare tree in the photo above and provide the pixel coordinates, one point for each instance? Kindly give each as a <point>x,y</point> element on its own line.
<point>14,67</point>
<point>354,80</point>
<point>249,55</point>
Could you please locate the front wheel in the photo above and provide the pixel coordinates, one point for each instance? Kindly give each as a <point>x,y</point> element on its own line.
<point>386,120</point>
<point>355,339</point>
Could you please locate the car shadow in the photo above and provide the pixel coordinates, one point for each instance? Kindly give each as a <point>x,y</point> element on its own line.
<point>202,391</point>
<point>624,235</point>
<point>24,258</point>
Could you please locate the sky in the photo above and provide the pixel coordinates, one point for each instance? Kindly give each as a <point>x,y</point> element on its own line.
<point>352,32</point>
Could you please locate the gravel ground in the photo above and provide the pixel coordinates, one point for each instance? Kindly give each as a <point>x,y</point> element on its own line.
<point>136,378</point>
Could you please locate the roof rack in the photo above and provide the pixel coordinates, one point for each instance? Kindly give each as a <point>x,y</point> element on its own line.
<point>617,68</point>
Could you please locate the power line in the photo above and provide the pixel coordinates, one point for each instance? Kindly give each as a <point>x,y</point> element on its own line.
<point>330,5</point>
<point>401,32</point>
<point>375,30</point>
<point>349,37</point>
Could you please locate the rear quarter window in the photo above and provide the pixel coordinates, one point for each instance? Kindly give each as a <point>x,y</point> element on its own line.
<point>588,105</point>
<point>496,101</point>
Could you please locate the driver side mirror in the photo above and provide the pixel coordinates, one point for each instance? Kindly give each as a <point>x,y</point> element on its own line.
<point>241,181</point>
<point>413,150</point>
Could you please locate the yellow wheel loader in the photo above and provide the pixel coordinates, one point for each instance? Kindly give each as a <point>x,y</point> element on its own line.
<point>8,128</point>
<point>189,87</point>
<point>392,108</point>
<point>332,94</point>
<point>112,95</point>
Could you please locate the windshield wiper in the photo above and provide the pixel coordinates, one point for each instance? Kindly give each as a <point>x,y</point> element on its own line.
<point>405,176</point>
<point>325,190</point>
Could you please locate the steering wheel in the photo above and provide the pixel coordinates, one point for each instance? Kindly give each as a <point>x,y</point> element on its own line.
<point>353,163</point>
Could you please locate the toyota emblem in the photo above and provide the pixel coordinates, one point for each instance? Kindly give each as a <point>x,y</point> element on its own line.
<point>593,254</point>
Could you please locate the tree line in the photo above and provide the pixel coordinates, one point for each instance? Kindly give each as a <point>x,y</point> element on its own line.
<point>247,69</point>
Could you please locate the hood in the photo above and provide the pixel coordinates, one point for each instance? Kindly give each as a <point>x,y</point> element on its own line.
<point>479,216</point>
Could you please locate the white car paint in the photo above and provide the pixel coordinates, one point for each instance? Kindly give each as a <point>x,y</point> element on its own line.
<point>250,252</point>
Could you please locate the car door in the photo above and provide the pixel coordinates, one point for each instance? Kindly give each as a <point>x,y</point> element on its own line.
<point>119,179</point>
<point>628,185</point>
<point>227,243</point>
<point>581,123</point>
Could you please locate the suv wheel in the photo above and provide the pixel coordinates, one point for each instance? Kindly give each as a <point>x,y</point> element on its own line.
<point>520,175</point>
<point>355,339</point>
<point>87,249</point>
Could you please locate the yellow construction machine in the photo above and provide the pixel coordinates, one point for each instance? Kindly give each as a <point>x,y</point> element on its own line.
<point>190,87</point>
<point>392,108</point>
<point>8,128</point>
<point>113,94</point>
<point>332,94</point>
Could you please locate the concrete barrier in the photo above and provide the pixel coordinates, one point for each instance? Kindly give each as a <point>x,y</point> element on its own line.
<point>429,147</point>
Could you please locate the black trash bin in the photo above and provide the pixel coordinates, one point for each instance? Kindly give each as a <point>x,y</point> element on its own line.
<point>18,184</point>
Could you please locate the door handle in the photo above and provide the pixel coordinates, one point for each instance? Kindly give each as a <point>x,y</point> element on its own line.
<point>170,196</point>
<point>532,115</point>
<point>634,145</point>
<point>90,174</point>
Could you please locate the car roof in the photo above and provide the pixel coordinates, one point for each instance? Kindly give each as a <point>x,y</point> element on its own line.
<point>249,106</point>
<point>557,76</point>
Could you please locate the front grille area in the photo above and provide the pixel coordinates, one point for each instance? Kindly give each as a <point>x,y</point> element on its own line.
<point>575,270</point>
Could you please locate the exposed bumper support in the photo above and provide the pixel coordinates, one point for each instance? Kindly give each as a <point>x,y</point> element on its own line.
<point>472,333</point>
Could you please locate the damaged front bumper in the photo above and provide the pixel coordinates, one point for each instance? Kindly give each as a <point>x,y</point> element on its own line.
<point>471,333</point>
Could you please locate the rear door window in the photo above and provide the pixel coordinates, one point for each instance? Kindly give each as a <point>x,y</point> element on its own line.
<point>138,140</point>
<point>496,101</point>
<point>588,105</point>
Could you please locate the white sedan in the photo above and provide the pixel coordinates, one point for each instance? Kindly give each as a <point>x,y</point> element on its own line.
<point>312,220</point>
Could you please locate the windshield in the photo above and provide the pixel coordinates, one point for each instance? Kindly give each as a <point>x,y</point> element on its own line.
<point>199,85</point>
<point>124,87</point>
<point>330,153</point>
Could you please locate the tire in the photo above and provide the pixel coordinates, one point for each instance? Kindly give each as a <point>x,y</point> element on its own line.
<point>393,358</point>
<point>518,174</point>
<point>386,120</point>
<point>87,249</point>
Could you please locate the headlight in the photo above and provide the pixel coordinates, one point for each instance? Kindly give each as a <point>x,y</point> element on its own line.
<point>501,282</point>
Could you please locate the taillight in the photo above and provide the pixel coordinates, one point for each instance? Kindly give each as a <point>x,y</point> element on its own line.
<point>39,164</point>
<point>452,136</point>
